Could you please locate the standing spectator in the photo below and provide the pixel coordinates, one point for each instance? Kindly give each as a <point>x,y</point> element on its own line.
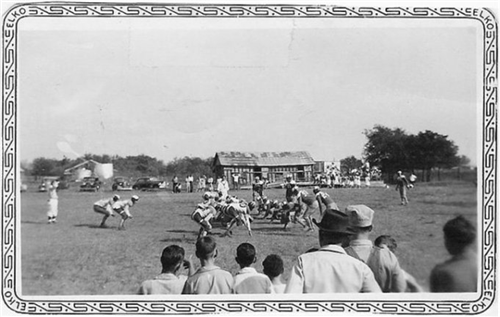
<point>324,199</point>
<point>53,202</point>
<point>330,269</point>
<point>382,262</point>
<point>175,183</point>
<point>236,181</point>
<point>122,207</point>
<point>210,182</point>
<point>248,280</point>
<point>188,185</point>
<point>223,187</point>
<point>402,185</point>
<point>209,278</point>
<point>191,181</point>
<point>202,183</point>
<point>460,273</point>
<point>386,241</point>
<point>104,206</point>
<point>273,268</point>
<point>170,281</point>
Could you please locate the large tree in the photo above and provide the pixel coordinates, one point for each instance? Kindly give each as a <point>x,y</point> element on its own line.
<point>433,150</point>
<point>386,148</point>
<point>349,163</point>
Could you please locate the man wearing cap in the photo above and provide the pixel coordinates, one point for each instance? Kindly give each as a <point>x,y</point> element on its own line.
<point>324,199</point>
<point>330,269</point>
<point>103,206</point>
<point>402,185</point>
<point>382,262</point>
<point>122,208</point>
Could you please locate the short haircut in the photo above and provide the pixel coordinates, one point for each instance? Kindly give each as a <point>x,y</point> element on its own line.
<point>459,233</point>
<point>273,266</point>
<point>387,240</point>
<point>205,246</point>
<point>245,254</point>
<point>171,257</point>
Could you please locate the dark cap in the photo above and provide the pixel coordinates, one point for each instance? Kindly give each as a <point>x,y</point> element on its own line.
<point>334,221</point>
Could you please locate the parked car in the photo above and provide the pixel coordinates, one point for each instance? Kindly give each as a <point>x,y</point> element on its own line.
<point>45,182</point>
<point>120,183</point>
<point>148,183</point>
<point>90,184</point>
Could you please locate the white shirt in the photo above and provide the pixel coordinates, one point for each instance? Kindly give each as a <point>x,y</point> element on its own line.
<point>331,270</point>
<point>249,281</point>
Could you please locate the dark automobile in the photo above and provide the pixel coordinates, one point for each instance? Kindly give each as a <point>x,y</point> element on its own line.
<point>120,183</point>
<point>149,183</point>
<point>90,184</point>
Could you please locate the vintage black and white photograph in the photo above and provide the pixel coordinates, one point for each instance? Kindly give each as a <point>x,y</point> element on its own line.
<point>282,157</point>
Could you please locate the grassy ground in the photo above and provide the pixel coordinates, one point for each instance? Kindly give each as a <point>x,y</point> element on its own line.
<point>76,257</point>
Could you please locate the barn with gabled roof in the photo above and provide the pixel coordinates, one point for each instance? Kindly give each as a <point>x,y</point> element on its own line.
<point>271,166</point>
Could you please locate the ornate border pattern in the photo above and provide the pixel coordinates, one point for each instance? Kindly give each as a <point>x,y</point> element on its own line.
<point>117,10</point>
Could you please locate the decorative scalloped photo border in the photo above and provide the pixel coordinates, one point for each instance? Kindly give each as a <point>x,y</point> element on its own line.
<point>10,167</point>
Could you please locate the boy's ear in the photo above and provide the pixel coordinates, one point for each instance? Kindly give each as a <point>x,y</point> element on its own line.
<point>216,253</point>
<point>255,259</point>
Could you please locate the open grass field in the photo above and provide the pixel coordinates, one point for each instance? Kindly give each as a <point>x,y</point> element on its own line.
<point>76,257</point>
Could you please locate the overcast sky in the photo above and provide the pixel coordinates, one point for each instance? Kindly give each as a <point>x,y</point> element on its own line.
<point>190,87</point>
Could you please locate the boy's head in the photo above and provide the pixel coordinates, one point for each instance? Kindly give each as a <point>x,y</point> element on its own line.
<point>386,240</point>
<point>273,266</point>
<point>206,248</point>
<point>458,234</point>
<point>245,254</point>
<point>172,258</point>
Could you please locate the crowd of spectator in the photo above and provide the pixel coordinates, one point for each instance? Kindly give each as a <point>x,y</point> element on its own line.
<point>346,261</point>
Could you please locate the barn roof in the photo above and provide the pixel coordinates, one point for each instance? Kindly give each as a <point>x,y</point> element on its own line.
<point>263,158</point>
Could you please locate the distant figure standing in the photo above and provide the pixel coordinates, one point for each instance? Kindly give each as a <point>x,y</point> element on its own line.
<point>175,183</point>
<point>460,273</point>
<point>104,206</point>
<point>53,202</point>
<point>236,181</point>
<point>202,183</point>
<point>191,181</point>
<point>402,185</point>
<point>257,188</point>
<point>188,184</point>
<point>210,183</point>
<point>223,187</point>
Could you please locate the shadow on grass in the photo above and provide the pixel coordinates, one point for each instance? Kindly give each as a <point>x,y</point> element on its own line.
<point>34,222</point>
<point>94,226</point>
<point>181,231</point>
<point>274,231</point>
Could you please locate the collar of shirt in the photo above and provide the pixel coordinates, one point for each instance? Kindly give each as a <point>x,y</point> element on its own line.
<point>166,276</point>
<point>360,243</point>
<point>332,248</point>
<point>247,270</point>
<point>204,269</point>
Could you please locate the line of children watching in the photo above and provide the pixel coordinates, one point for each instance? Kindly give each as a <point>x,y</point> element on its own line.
<point>334,267</point>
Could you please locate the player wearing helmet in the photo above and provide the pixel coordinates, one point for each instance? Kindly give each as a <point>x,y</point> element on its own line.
<point>103,206</point>
<point>202,216</point>
<point>309,205</point>
<point>324,199</point>
<point>122,208</point>
<point>239,213</point>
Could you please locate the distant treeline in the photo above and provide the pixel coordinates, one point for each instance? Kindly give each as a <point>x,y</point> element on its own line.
<point>129,166</point>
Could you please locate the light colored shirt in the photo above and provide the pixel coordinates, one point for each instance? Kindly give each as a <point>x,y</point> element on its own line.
<point>122,206</point>
<point>165,283</point>
<point>53,192</point>
<point>383,263</point>
<point>249,281</point>
<point>209,280</point>
<point>331,270</point>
